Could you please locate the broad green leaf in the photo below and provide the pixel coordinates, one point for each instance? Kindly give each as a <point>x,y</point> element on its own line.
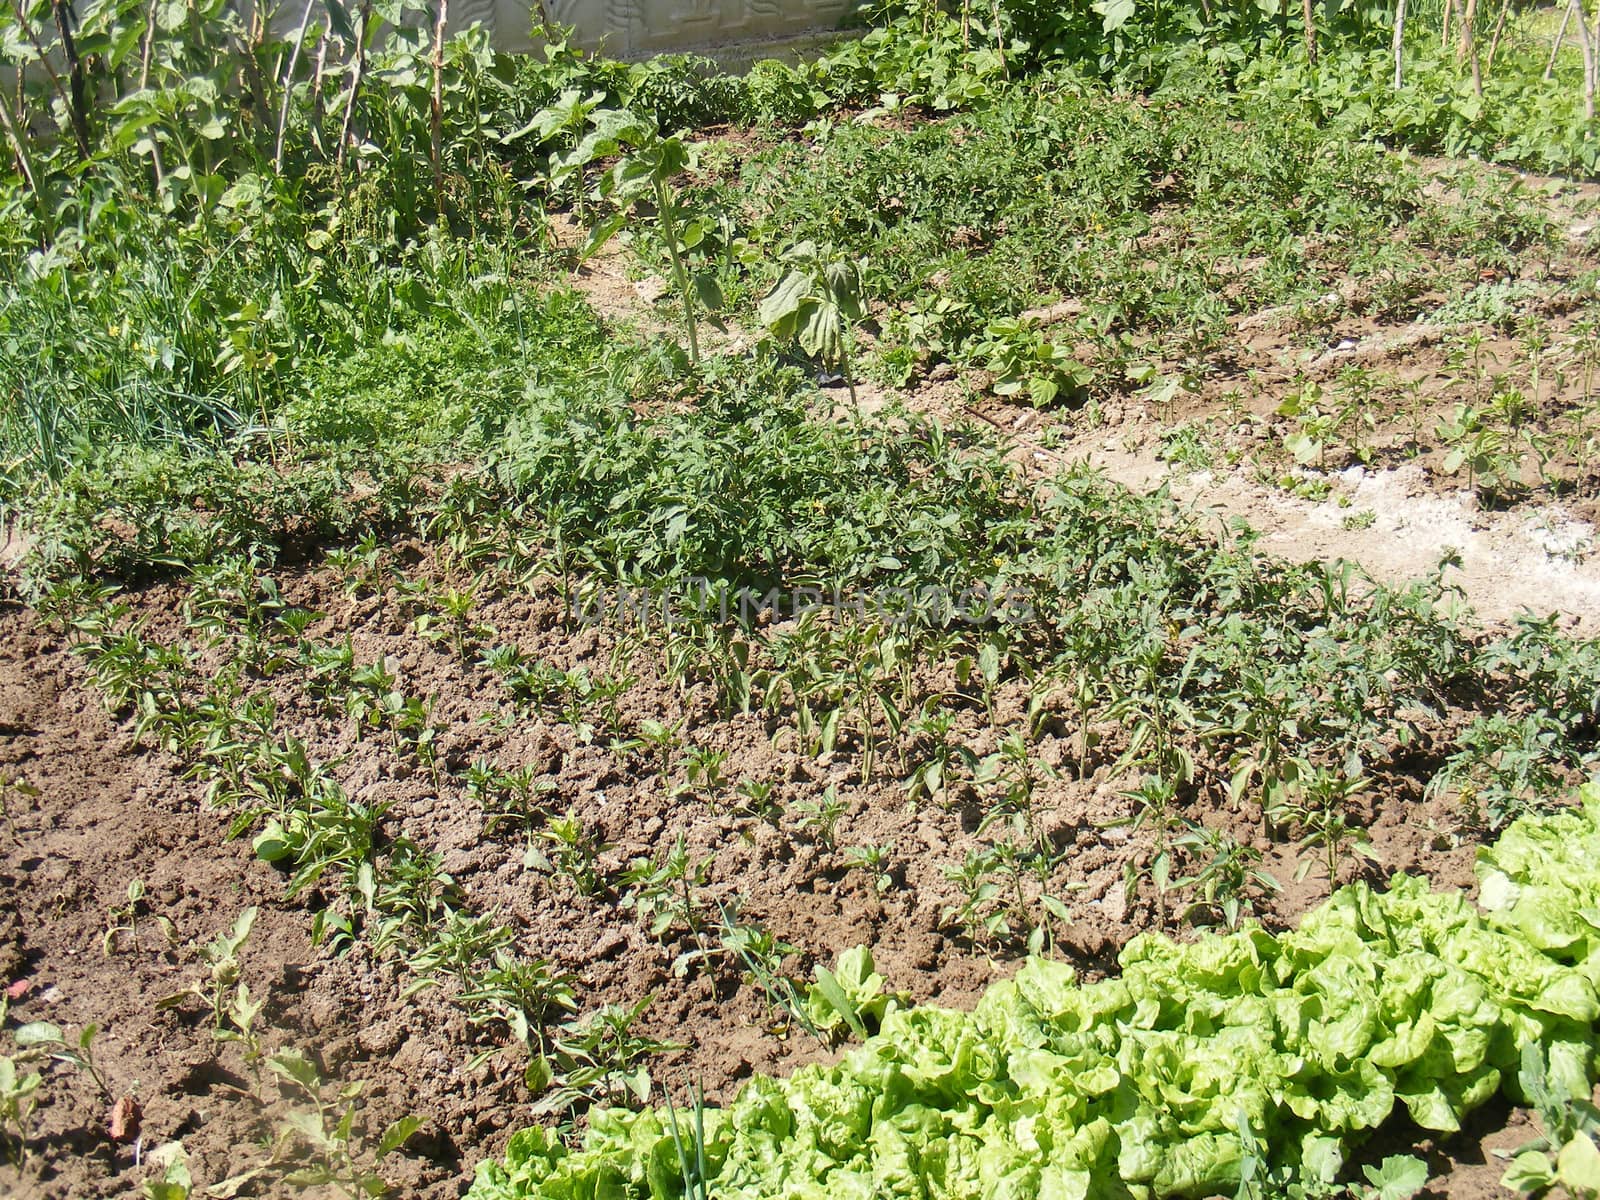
<point>1578,1166</point>
<point>829,989</point>
<point>1398,1177</point>
<point>779,310</point>
<point>1531,1171</point>
<point>1114,14</point>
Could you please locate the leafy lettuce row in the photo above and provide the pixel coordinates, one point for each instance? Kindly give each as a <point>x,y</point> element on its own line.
<point>1541,883</point>
<point>1200,1063</point>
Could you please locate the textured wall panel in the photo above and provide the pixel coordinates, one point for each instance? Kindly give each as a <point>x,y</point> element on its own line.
<point>639,28</point>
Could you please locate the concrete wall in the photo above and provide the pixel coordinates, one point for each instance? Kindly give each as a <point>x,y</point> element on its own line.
<point>729,30</point>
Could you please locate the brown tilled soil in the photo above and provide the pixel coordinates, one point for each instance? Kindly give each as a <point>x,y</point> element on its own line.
<point>109,812</point>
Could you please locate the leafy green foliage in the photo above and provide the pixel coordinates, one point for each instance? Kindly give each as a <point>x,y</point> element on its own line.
<point>241,320</point>
<point>1173,1079</point>
<point>1398,1177</point>
<point>816,304</point>
<point>1565,1156</point>
<point>642,185</point>
<point>598,1058</point>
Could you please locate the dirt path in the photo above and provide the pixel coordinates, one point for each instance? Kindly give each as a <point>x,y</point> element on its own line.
<point>1397,524</point>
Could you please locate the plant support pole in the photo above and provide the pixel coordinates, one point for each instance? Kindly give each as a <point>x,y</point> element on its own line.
<point>24,159</point>
<point>546,26</point>
<point>1594,56</point>
<point>1499,32</point>
<point>1555,50</point>
<point>50,70</point>
<point>1399,43</point>
<point>317,111</point>
<point>69,49</point>
<point>1468,32</point>
<point>1466,46</point>
<point>1587,47</point>
<point>288,84</point>
<point>436,114</point>
<point>355,84</point>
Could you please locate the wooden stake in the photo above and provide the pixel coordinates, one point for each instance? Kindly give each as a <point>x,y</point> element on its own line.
<point>20,148</point>
<point>1566,19</point>
<point>144,81</point>
<point>1466,38</point>
<point>288,84</point>
<point>1499,31</point>
<point>1586,45</point>
<point>436,130</point>
<point>250,68</point>
<point>1466,48</point>
<point>545,24</point>
<point>355,83</point>
<point>50,70</point>
<point>316,93</point>
<point>1399,43</point>
<point>1594,56</point>
<point>149,45</point>
<point>79,108</point>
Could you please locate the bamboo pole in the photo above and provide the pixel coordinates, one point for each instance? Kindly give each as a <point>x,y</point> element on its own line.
<point>250,68</point>
<point>1594,57</point>
<point>316,94</point>
<point>1466,36</point>
<point>79,108</point>
<point>50,70</point>
<point>1586,45</point>
<point>145,53</point>
<point>20,148</point>
<point>1466,45</point>
<point>146,50</point>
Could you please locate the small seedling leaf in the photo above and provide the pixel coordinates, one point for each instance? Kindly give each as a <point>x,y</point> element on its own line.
<point>828,985</point>
<point>396,1134</point>
<point>38,1033</point>
<point>1529,1172</point>
<point>232,1186</point>
<point>291,1064</point>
